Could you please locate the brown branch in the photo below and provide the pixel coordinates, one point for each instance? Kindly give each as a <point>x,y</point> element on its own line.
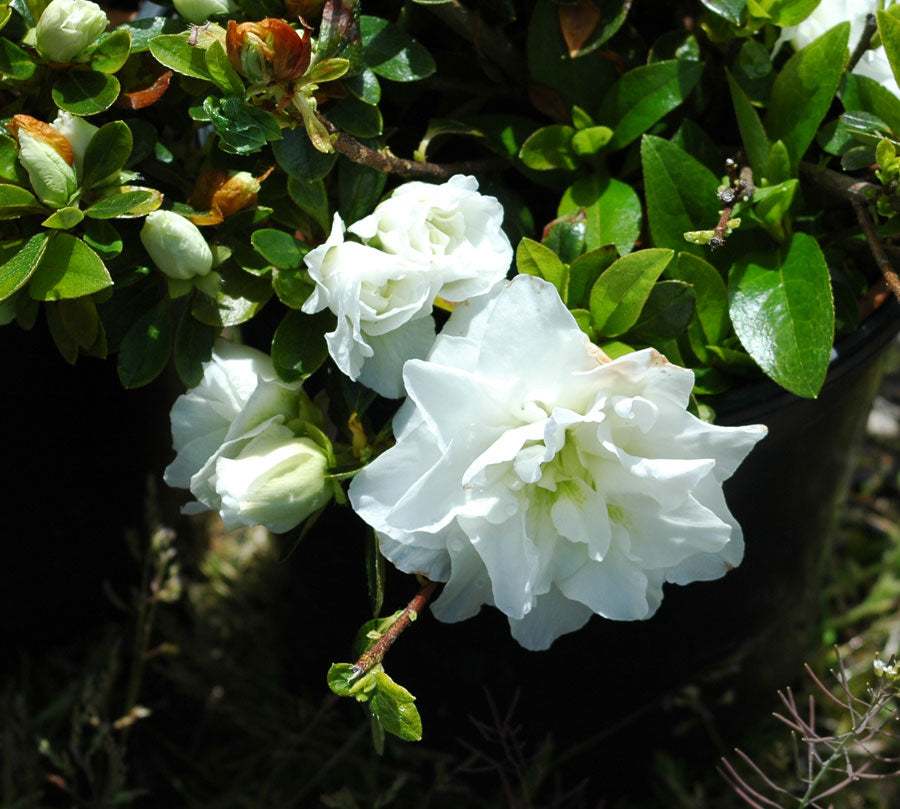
<point>838,184</point>
<point>489,42</point>
<point>385,162</point>
<point>877,248</point>
<point>739,189</point>
<point>379,649</point>
<point>863,45</point>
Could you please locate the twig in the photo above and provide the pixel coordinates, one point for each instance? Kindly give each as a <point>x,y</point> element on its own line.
<point>385,162</point>
<point>877,248</point>
<point>740,188</point>
<point>379,649</point>
<point>841,185</point>
<point>862,46</point>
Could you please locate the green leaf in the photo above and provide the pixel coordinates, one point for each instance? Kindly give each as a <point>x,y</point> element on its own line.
<point>778,166</point>
<point>242,128</point>
<point>15,63</point>
<point>709,292</point>
<point>644,95</point>
<point>311,198</point>
<point>731,10</point>
<point>753,134</point>
<point>375,572</point>
<point>174,51</point>
<point>279,248</point>
<point>146,347</point>
<point>359,189</point>
<point>63,219</point>
<point>364,86</point>
<point>298,346</point>
<point>356,117</point>
<point>783,313</point>
<point>590,140</point>
<point>143,31</point>
<point>340,679</point>
<point>293,287</point>
<point>193,346</point>
<point>862,94</point>
<point>85,92</point>
<point>18,261</point>
<point>669,309</point>
<point>393,706</point>
<point>771,206</point>
<point>565,237</point>
<point>10,168</point>
<point>240,296</point>
<point>392,53</point>
<point>79,318</point>
<point>15,201</point>
<point>221,72</point>
<point>102,238</point>
<point>791,12</point>
<point>619,294</point>
<point>106,153</point>
<point>325,70</point>
<point>118,204</point>
<point>299,158</point>
<point>803,91</point>
<point>611,208</point>
<point>68,269</point>
<point>681,194</point>
<point>112,51</point>
<point>583,273</point>
<point>533,258</point>
<point>754,59</point>
<point>549,147</point>
<point>64,341</point>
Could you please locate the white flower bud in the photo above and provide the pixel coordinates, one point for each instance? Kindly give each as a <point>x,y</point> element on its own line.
<point>199,11</point>
<point>78,132</point>
<point>52,179</point>
<point>176,245</point>
<point>67,27</point>
<point>276,480</point>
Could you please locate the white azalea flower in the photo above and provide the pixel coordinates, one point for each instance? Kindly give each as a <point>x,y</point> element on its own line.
<point>829,13</point>
<point>235,450</point>
<point>450,227</point>
<point>383,306</point>
<point>530,475</point>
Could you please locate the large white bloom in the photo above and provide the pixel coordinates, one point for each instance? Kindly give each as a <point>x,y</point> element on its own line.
<point>530,475</point>
<point>237,449</point>
<point>829,13</point>
<point>423,242</point>
<point>450,227</point>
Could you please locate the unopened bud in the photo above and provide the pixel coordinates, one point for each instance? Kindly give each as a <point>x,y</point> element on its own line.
<point>268,50</point>
<point>199,11</point>
<point>78,133</point>
<point>176,245</point>
<point>47,157</point>
<point>67,27</point>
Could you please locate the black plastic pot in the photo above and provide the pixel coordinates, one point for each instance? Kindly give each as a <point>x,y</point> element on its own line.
<point>720,648</point>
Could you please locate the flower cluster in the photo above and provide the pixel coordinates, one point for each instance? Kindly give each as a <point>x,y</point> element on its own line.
<point>532,473</point>
<point>248,444</point>
<point>423,242</point>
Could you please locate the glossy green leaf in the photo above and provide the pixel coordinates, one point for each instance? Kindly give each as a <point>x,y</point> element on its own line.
<point>644,95</point>
<point>79,318</point>
<point>102,238</point>
<point>364,86</point>
<point>754,59</point>
<point>112,51</point>
<point>339,34</point>
<point>680,193</point>
<point>63,219</point>
<point>242,129</point>
<point>14,62</point>
<point>565,237</point>
<point>15,201</point>
<point>18,261</point>
<point>311,198</point>
<point>710,294</point>
<point>731,10</point>
<point>533,258</point>
<point>221,71</point>
<point>889,31</point>
<point>299,158</point>
<point>394,708</point>
<point>118,204</point>
<point>771,206</point>
<point>240,296</point>
<point>783,313</point>
<point>174,51</point>
<point>292,287</point>
<point>392,53</point>
<point>279,248</point>
<point>10,168</point>
<point>549,147</point>
<point>356,117</point>
<point>143,31</point>
<point>359,189</point>
<point>804,89</point>
<point>753,134</point>
<point>340,679</point>
<point>85,93</point>
<point>591,140</point>
<point>193,346</point>
<point>792,12</point>
<point>298,346</point>
<point>68,269</point>
<point>619,294</point>
<point>862,94</point>
<point>669,309</point>
<point>612,211</point>
<point>146,347</point>
<point>327,70</point>
<point>65,343</point>
<point>583,273</point>
<point>106,153</point>
<point>778,166</point>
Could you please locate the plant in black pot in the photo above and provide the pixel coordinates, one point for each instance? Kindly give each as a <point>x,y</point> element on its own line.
<point>520,284</point>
